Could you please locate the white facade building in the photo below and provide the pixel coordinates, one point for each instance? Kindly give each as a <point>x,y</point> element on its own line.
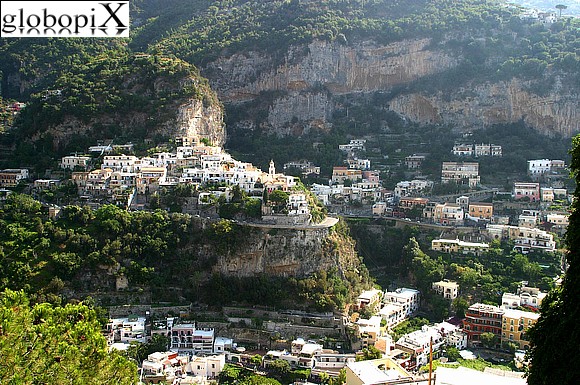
<point>408,298</point>
<point>70,162</point>
<point>207,366</point>
<point>447,289</point>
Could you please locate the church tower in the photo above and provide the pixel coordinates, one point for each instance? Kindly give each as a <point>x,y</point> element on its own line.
<point>272,171</point>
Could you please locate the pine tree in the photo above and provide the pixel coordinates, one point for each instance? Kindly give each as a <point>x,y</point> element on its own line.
<point>555,337</point>
<point>46,344</point>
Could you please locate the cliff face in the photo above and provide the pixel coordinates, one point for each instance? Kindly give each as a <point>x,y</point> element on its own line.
<point>195,120</point>
<point>289,253</point>
<point>253,253</point>
<point>303,84</point>
<point>184,118</point>
<point>502,102</point>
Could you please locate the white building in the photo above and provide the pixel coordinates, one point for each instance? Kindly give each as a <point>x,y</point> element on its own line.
<point>222,344</point>
<point>355,144</point>
<point>120,163</point>
<point>298,205</point>
<point>448,214</point>
<point>70,162</point>
<point>330,362</point>
<point>393,314</point>
<point>526,296</point>
<point>463,150</point>
<point>417,344</point>
<point>452,334</point>
<point>189,339</point>
<point>383,371</point>
<point>447,289</point>
<point>539,167</point>
<point>127,330</point>
<point>370,299</point>
<point>163,366</point>
<point>525,238</point>
<point>412,188</point>
<point>528,220</point>
<point>408,298</point>
<point>459,247</point>
<point>359,164</point>
<point>207,366</point>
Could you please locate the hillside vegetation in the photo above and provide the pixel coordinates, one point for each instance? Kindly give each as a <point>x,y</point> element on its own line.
<point>161,256</point>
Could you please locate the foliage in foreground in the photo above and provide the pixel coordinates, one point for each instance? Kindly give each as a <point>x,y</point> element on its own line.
<point>555,337</point>
<point>44,344</point>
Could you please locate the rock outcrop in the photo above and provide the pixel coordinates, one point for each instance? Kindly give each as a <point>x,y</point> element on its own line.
<point>194,120</point>
<point>304,83</point>
<point>487,104</point>
<point>289,253</point>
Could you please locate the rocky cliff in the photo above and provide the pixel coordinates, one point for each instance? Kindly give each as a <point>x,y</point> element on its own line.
<point>303,86</point>
<point>195,120</point>
<point>232,259</point>
<point>289,253</point>
<point>493,103</point>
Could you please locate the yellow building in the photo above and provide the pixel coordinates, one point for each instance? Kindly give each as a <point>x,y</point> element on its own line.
<point>383,370</point>
<point>515,323</point>
<point>481,210</point>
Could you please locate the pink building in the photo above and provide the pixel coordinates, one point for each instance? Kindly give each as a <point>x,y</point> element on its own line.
<point>530,190</point>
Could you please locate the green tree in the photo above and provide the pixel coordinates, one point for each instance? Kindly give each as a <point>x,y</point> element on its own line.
<point>460,305</point>
<point>46,344</point>
<point>370,353</point>
<point>280,367</point>
<point>452,353</point>
<point>555,337</point>
<point>256,360</point>
<point>489,340</point>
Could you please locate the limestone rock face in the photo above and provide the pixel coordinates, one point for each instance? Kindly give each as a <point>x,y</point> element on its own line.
<point>288,253</point>
<point>493,103</point>
<point>299,89</point>
<point>303,82</point>
<point>195,120</point>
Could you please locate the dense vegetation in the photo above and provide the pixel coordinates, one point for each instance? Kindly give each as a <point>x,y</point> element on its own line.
<point>550,357</point>
<point>230,26</point>
<point>161,254</point>
<point>46,344</point>
<point>395,257</point>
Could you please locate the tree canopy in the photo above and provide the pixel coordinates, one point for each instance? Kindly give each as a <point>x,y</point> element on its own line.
<point>44,344</point>
<point>555,337</point>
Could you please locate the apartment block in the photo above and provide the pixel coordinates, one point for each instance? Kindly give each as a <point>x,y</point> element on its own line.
<point>74,161</point>
<point>463,173</point>
<point>481,210</point>
<point>515,324</point>
<point>481,318</point>
<point>459,247</point>
<point>529,191</point>
<point>447,289</point>
<point>408,298</point>
<point>11,177</point>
